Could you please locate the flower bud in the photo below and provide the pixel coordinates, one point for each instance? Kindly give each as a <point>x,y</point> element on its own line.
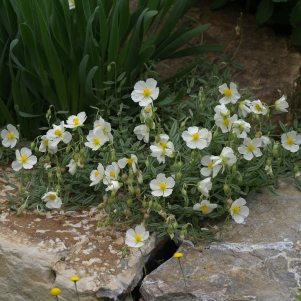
<point>216,228</point>
<point>179,175</point>
<point>127,212</point>
<point>269,162</point>
<point>258,134</point>
<point>184,192</point>
<point>48,114</point>
<point>22,189</point>
<point>32,145</point>
<point>150,204</point>
<point>76,149</point>
<point>82,161</point>
<point>146,216</point>
<point>129,202</point>
<point>240,179</point>
<point>175,225</point>
<point>113,155</point>
<point>68,149</point>
<point>50,175</point>
<point>193,154</point>
<point>111,200</point>
<point>157,139</point>
<point>132,190</point>
<point>296,169</point>
<point>58,188</point>
<point>170,228</point>
<point>82,151</point>
<point>229,203</point>
<point>109,68</point>
<point>237,30</point>
<point>47,158</point>
<point>144,204</point>
<point>147,163</point>
<point>143,211</point>
<point>75,157</point>
<point>159,207</point>
<point>226,188</point>
<point>58,170</point>
<point>142,119</point>
<point>124,177</point>
<point>215,134</point>
<point>183,233</point>
<point>182,126</point>
<point>137,192</point>
<point>179,165</point>
<point>234,168</point>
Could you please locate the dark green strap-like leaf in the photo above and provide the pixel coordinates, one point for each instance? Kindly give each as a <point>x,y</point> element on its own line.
<point>5,112</point>
<point>181,41</point>
<point>196,50</point>
<point>264,11</point>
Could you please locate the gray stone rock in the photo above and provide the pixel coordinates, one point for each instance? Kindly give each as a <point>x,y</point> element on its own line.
<point>258,260</point>
<point>39,252</point>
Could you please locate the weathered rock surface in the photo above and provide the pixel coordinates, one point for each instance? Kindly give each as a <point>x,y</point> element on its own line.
<point>258,260</point>
<point>40,252</point>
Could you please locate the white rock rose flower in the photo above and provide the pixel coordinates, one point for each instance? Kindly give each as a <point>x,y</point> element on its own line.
<point>111,172</point>
<point>75,121</point>
<point>204,186</point>
<point>241,128</point>
<point>239,211</point>
<point>162,186</point>
<point>105,126</point>
<point>226,158</point>
<point>205,207</point>
<point>58,134</point>
<point>291,141</point>
<point>258,107</point>
<point>281,104</point>
<point>112,185</point>
<point>230,94</point>
<point>162,148</point>
<point>244,108</point>
<point>196,138</point>
<point>132,162</point>
<point>72,167</point>
<point>10,136</point>
<point>46,145</point>
<point>71,4</point>
<point>97,175</point>
<point>24,159</point>
<point>96,139</point>
<point>145,92</point>
<point>136,238</point>
<point>142,132</point>
<point>210,168</point>
<point>52,200</point>
<point>250,148</point>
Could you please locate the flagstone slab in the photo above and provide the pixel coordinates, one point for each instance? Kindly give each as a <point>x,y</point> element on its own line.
<point>258,260</point>
<point>38,252</point>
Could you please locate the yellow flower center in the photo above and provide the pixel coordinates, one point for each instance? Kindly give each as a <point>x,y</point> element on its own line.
<point>10,136</point>
<point>130,161</point>
<point>251,147</point>
<point>138,238</point>
<point>164,145</point>
<point>226,122</point>
<point>196,136</point>
<point>99,125</point>
<point>148,110</point>
<point>58,133</point>
<point>96,141</point>
<point>162,186</point>
<point>290,141</point>
<point>236,209</point>
<point>205,209</point>
<point>258,107</point>
<point>112,174</point>
<point>76,121</point>
<point>24,159</point>
<point>97,173</point>
<point>210,165</point>
<point>228,93</point>
<point>46,142</point>
<point>73,1</point>
<point>52,197</point>
<point>146,92</point>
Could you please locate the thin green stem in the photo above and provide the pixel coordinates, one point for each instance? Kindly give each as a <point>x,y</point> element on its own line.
<point>76,291</point>
<point>186,289</point>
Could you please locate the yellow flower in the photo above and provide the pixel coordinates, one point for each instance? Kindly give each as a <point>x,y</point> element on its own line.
<point>74,278</point>
<point>55,291</point>
<point>178,255</point>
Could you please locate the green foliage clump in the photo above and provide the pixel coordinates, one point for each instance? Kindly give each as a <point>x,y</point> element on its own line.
<point>88,54</point>
<point>150,168</point>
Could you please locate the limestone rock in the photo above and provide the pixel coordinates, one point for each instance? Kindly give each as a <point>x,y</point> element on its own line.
<point>258,260</point>
<point>40,252</point>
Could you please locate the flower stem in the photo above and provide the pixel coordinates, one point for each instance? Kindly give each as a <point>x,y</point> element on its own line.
<point>76,291</point>
<point>186,289</point>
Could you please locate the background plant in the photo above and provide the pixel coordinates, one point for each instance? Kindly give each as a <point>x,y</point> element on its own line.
<point>281,12</point>
<point>88,56</point>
